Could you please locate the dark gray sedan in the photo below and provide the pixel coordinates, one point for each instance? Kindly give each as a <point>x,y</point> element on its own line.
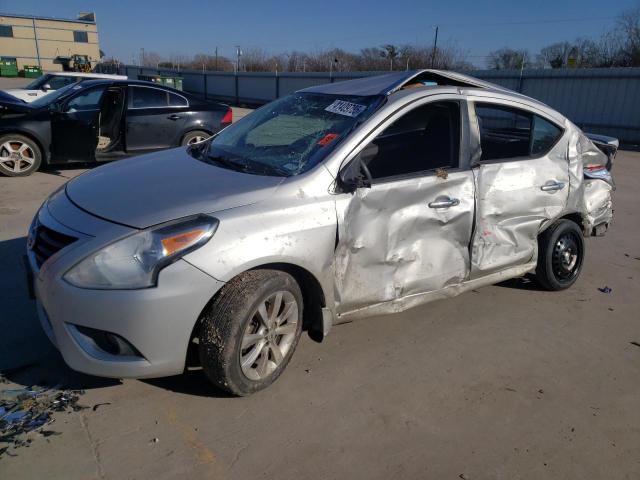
<point>98,120</point>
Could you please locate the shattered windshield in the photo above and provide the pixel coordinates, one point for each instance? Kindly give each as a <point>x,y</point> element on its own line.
<point>289,136</point>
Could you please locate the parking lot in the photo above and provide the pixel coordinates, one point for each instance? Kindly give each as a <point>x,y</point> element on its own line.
<point>504,382</point>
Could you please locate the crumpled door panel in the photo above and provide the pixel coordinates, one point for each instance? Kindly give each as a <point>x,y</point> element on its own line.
<point>512,209</point>
<point>392,244</point>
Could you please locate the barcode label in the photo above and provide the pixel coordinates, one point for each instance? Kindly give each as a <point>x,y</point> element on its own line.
<point>346,108</point>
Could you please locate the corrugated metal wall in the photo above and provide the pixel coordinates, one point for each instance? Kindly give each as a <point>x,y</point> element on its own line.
<point>605,101</point>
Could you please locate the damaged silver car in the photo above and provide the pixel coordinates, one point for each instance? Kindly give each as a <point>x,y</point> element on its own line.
<point>339,201</point>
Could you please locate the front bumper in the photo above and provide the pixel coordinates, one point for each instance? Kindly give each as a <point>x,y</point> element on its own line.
<point>157,321</point>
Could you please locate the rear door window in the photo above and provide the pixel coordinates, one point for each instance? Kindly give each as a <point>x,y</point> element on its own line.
<point>507,132</point>
<point>146,97</point>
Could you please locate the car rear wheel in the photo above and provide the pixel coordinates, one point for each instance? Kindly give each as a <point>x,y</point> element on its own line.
<point>19,155</point>
<point>195,136</point>
<point>250,330</point>
<point>560,255</point>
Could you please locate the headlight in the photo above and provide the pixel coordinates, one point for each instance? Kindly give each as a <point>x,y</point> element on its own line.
<point>134,261</point>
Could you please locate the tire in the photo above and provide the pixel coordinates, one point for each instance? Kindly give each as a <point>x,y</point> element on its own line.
<point>19,155</point>
<point>234,319</point>
<point>195,136</point>
<point>560,255</point>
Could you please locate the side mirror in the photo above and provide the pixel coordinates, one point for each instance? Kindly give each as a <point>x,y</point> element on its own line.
<point>55,107</point>
<point>46,87</point>
<point>356,174</point>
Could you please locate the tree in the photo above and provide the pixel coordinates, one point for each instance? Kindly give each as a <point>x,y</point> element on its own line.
<point>390,52</point>
<point>629,28</point>
<point>507,59</point>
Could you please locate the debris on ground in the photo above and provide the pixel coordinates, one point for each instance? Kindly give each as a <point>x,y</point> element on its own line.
<point>97,405</point>
<point>30,409</point>
<point>605,289</point>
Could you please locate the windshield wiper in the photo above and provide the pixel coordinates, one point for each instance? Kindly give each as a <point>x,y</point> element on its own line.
<point>227,163</point>
<point>271,169</point>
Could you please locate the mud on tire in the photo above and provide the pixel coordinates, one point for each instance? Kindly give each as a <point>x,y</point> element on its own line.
<point>233,320</point>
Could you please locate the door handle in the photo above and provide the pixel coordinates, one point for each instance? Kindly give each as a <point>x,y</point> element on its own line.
<point>174,117</point>
<point>444,202</point>
<point>552,186</point>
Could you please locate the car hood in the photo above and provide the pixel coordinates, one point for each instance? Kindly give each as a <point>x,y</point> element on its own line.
<point>12,103</point>
<point>24,94</point>
<point>143,191</point>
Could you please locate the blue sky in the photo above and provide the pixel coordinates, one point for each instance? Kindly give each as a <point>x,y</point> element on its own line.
<point>188,27</point>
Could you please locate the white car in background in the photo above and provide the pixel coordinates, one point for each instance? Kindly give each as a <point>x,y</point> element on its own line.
<point>50,82</point>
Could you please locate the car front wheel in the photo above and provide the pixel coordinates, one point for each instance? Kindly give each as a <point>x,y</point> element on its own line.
<point>19,155</point>
<point>250,330</point>
<point>560,255</point>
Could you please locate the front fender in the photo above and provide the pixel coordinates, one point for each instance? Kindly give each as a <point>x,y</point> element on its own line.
<point>296,226</point>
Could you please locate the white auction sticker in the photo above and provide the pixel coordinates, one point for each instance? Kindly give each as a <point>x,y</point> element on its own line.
<point>349,109</point>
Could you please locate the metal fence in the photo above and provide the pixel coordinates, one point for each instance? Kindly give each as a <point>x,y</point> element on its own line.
<point>605,101</point>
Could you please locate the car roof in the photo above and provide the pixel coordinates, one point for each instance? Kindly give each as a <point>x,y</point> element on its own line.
<point>390,83</point>
<point>393,86</point>
<point>127,81</point>
<point>87,75</point>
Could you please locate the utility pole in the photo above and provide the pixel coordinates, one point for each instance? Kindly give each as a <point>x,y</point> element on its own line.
<point>238,55</point>
<point>142,56</point>
<point>435,45</point>
<point>216,58</point>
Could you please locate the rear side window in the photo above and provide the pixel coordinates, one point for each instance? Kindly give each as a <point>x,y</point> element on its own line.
<point>177,100</point>
<point>143,97</point>
<point>422,140</point>
<point>545,135</point>
<point>511,133</point>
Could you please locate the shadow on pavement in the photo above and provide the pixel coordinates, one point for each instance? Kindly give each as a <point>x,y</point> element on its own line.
<point>26,355</point>
<point>527,282</point>
<point>190,383</point>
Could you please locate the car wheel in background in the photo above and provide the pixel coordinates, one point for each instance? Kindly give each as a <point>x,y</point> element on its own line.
<point>19,155</point>
<point>195,136</point>
<point>250,330</point>
<point>560,255</point>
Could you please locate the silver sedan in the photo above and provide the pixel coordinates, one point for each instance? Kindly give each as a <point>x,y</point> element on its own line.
<point>337,202</point>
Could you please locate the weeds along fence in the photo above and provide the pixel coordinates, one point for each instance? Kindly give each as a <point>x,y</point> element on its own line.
<point>599,100</point>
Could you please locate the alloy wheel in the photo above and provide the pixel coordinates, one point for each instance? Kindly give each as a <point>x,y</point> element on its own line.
<point>269,335</point>
<point>196,139</point>
<point>16,156</point>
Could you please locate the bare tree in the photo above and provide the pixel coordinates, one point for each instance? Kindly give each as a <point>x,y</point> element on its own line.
<point>390,52</point>
<point>507,59</point>
<point>629,28</point>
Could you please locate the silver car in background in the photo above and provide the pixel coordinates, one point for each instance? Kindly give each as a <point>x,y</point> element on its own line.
<point>340,201</point>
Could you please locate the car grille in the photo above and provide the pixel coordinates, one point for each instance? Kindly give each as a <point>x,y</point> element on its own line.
<point>48,242</point>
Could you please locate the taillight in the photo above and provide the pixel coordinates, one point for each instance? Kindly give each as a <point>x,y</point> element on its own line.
<point>594,168</point>
<point>228,117</point>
